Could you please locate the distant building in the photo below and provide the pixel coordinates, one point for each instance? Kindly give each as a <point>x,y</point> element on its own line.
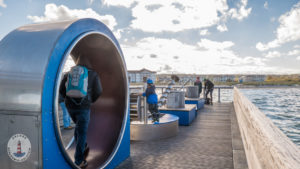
<point>253,78</point>
<point>223,78</point>
<point>213,77</point>
<point>139,76</point>
<point>166,78</point>
<point>163,78</point>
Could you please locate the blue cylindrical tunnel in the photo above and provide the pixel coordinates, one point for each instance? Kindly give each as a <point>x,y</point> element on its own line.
<point>32,58</point>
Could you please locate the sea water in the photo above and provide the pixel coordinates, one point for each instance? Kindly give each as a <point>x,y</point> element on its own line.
<point>281,105</point>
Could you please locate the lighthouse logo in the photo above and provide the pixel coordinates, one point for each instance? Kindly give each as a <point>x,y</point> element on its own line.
<point>19,148</point>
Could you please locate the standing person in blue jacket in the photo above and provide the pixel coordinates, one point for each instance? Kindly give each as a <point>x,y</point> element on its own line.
<point>152,101</point>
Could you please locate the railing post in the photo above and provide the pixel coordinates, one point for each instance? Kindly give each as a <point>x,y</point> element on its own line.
<point>219,95</point>
<point>145,111</point>
<point>145,107</point>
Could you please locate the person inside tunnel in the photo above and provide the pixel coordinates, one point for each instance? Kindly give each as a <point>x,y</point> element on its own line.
<point>80,87</point>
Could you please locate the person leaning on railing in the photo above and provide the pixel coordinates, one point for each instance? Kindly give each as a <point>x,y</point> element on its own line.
<point>208,88</point>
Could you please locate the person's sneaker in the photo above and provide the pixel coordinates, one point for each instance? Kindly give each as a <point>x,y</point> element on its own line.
<point>68,128</point>
<point>83,164</point>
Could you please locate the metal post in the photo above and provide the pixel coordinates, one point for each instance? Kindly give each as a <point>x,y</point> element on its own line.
<point>219,95</point>
<point>145,107</point>
<point>139,108</point>
<point>145,111</point>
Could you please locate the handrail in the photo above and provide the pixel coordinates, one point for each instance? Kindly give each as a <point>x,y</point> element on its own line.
<point>181,87</point>
<point>266,146</point>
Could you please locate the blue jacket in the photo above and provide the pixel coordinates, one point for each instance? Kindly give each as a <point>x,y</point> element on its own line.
<point>151,95</point>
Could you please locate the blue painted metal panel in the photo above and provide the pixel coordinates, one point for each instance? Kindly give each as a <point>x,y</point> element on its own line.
<point>199,104</point>
<point>51,151</point>
<point>52,156</point>
<point>185,117</point>
<point>124,149</point>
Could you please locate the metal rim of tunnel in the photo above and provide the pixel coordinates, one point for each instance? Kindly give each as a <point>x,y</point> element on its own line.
<point>55,104</point>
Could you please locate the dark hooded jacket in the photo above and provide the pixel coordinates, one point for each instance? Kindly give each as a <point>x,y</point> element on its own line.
<point>209,85</point>
<point>94,91</point>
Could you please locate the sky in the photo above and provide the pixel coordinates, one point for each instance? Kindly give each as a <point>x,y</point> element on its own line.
<point>183,36</point>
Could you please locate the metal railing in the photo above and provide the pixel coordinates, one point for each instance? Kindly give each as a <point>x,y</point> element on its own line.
<point>164,90</point>
<point>178,87</point>
<point>219,91</point>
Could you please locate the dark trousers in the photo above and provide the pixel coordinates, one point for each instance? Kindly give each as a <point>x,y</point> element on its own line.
<point>199,91</point>
<point>211,92</point>
<point>153,108</point>
<point>81,118</point>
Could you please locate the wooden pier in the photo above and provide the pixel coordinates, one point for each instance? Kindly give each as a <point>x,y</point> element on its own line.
<point>223,136</point>
<point>211,141</point>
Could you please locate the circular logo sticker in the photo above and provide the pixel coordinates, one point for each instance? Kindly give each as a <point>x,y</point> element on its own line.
<point>19,148</point>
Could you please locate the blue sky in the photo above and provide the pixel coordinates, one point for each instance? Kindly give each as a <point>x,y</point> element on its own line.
<point>176,36</point>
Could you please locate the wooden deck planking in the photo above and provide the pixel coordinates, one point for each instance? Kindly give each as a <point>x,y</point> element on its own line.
<point>206,143</point>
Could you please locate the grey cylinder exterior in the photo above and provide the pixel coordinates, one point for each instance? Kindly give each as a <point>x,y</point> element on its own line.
<point>192,92</point>
<point>147,132</point>
<point>31,63</point>
<point>176,99</point>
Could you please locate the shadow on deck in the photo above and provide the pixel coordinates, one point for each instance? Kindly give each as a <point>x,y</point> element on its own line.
<point>211,141</point>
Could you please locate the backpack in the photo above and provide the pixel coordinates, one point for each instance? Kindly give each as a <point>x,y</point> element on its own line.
<point>77,83</point>
<point>207,101</point>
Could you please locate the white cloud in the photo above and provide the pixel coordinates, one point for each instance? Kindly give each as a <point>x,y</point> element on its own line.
<point>266,5</point>
<point>125,3</point>
<point>255,61</point>
<point>208,44</point>
<point>204,32</point>
<point>90,1</point>
<point>298,58</point>
<point>216,58</point>
<point>56,13</point>
<point>2,4</point>
<point>273,44</point>
<point>273,54</point>
<point>287,31</point>
<point>177,15</point>
<point>118,33</point>
<point>296,46</point>
<point>260,46</point>
<point>242,12</point>
<point>222,28</point>
<point>294,52</point>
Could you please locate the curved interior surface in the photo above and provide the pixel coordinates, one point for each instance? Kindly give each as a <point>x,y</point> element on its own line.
<point>108,112</point>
